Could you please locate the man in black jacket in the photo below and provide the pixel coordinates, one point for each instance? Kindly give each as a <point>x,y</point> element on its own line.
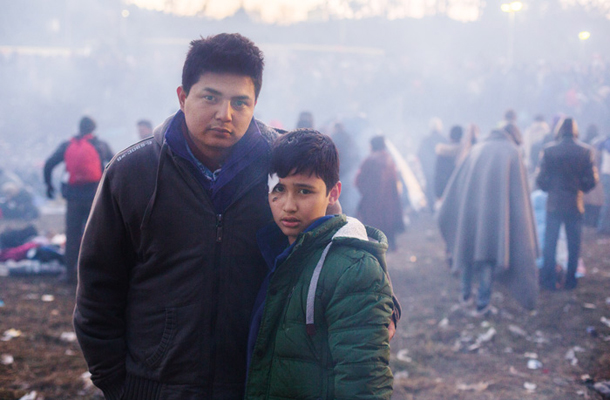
<point>567,171</point>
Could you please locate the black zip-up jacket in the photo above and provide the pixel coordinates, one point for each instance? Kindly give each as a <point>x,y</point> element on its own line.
<point>166,284</point>
<point>567,171</point>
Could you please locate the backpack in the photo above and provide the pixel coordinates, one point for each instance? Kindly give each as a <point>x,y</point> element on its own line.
<point>83,162</point>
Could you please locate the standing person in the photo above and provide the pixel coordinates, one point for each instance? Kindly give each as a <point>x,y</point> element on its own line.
<point>426,154</point>
<point>594,199</point>
<point>487,222</point>
<point>170,268</point>
<point>532,142</point>
<point>446,159</point>
<point>327,292</point>
<point>603,225</point>
<point>84,156</point>
<point>145,129</point>
<point>348,154</point>
<point>567,170</point>
<point>377,181</point>
<point>305,120</point>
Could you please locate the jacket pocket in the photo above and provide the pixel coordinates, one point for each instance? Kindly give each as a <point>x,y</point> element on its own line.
<point>169,331</point>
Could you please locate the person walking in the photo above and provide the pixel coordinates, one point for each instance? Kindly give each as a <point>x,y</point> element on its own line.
<point>85,156</point>
<point>487,222</point>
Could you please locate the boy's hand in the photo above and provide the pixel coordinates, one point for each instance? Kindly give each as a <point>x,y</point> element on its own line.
<point>392,329</point>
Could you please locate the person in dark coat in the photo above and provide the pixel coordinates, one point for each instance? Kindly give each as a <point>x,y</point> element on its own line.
<point>426,153</point>
<point>377,181</point>
<point>567,171</point>
<point>487,222</point>
<point>446,159</point>
<point>80,189</point>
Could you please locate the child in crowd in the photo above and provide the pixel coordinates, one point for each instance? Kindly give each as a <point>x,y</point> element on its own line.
<point>320,323</point>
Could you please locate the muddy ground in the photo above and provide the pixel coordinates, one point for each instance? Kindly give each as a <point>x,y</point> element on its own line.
<point>439,352</point>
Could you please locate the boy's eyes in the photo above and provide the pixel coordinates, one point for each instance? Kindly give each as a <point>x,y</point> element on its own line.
<point>278,188</point>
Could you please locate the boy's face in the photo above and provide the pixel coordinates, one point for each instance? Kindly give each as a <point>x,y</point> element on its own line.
<point>298,200</point>
<point>218,110</point>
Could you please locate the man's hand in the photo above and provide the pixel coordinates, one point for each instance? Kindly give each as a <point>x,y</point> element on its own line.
<point>392,329</point>
<point>50,192</point>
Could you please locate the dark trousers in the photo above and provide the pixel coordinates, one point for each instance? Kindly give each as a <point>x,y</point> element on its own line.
<point>76,218</point>
<point>573,226</point>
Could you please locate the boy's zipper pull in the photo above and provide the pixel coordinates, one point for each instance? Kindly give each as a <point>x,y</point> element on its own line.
<point>218,228</point>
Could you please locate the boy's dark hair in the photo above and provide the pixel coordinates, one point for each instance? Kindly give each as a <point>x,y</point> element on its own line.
<point>306,151</point>
<point>86,125</point>
<point>223,53</point>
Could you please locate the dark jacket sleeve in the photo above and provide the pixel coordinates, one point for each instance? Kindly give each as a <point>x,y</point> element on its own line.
<point>358,316</point>
<point>590,177</point>
<point>56,158</point>
<point>103,273</point>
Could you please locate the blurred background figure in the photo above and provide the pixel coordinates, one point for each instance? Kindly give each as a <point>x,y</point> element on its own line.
<point>603,225</point>
<point>85,156</point>
<point>16,202</point>
<point>380,204</point>
<point>487,223</point>
<point>348,165</point>
<point>305,120</point>
<point>145,128</point>
<point>426,154</point>
<point>532,142</point>
<point>594,200</point>
<point>567,169</point>
<point>446,159</point>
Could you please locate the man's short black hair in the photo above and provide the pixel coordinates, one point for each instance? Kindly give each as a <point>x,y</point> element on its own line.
<point>223,53</point>
<point>306,151</point>
<point>378,143</point>
<point>86,125</point>
<point>456,133</point>
<point>145,122</point>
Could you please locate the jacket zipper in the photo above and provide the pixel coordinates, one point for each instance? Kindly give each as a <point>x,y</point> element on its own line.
<point>214,317</point>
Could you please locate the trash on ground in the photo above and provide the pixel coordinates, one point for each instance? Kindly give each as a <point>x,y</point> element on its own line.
<point>592,331</point>
<point>529,386</point>
<point>603,388</point>
<point>515,330</point>
<point>6,359</point>
<point>513,371</point>
<point>571,354</point>
<point>482,338</point>
<point>534,364</point>
<point>531,355</point>
<point>10,334</point>
<point>47,298</point>
<point>401,376</point>
<point>68,337</point>
<point>476,387</point>
<point>444,323</point>
<point>30,396</point>
<point>402,355</point>
<point>589,306</point>
<point>86,378</point>
<point>605,321</point>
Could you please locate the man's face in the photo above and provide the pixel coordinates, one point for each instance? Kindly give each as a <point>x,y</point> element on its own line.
<point>218,110</point>
<point>298,200</point>
<point>144,131</point>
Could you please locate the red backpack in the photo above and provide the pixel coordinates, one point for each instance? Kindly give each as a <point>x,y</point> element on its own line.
<point>82,161</point>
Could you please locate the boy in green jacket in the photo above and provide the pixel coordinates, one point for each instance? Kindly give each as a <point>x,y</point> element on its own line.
<point>320,324</point>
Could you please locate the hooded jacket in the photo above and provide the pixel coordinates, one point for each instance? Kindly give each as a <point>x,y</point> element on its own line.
<point>169,270</point>
<point>324,327</point>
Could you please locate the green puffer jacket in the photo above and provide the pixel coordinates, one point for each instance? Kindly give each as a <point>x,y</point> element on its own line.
<point>343,352</point>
